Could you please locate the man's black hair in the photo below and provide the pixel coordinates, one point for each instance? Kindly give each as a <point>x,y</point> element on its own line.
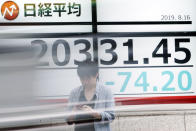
<point>87,69</point>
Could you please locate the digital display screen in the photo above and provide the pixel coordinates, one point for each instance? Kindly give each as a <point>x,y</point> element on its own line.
<point>143,48</point>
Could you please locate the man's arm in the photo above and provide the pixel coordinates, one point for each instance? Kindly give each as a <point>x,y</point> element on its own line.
<point>108,114</point>
<point>70,107</point>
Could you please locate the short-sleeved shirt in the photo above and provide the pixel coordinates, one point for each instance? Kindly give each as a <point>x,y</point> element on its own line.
<point>88,121</point>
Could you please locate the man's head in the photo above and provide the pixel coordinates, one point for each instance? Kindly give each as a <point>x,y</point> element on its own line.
<point>88,72</point>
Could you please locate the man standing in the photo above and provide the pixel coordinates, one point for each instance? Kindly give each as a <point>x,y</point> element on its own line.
<point>94,100</point>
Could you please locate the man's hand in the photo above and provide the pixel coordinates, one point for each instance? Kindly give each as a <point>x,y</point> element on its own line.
<point>71,117</point>
<point>91,111</point>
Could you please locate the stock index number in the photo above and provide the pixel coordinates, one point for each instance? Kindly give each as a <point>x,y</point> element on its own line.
<point>112,51</point>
